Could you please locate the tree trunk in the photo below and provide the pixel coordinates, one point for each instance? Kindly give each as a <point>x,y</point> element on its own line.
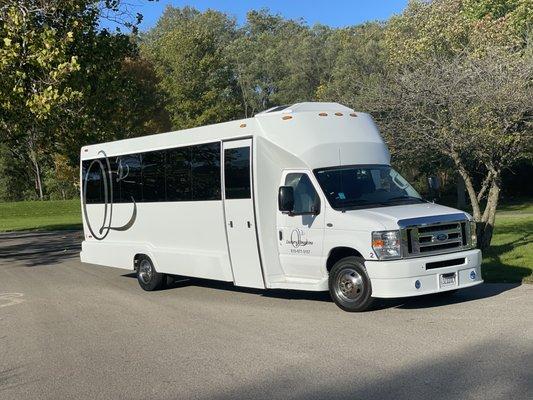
<point>38,181</point>
<point>486,226</point>
<point>468,184</point>
<point>36,170</point>
<point>461,195</point>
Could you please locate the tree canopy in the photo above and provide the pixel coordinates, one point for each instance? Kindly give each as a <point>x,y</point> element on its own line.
<point>449,82</point>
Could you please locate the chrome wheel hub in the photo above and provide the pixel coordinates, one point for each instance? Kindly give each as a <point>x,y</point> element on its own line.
<point>349,285</point>
<point>145,271</point>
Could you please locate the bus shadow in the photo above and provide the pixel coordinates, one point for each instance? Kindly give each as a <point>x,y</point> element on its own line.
<point>478,292</point>
<point>177,282</point>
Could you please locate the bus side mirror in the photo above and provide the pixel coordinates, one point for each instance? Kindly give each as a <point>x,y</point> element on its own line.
<point>286,199</point>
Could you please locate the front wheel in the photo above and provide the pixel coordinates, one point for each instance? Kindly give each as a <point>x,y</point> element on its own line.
<point>349,285</point>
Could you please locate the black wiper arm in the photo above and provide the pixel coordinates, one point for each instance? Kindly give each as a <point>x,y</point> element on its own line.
<point>356,203</point>
<point>405,198</point>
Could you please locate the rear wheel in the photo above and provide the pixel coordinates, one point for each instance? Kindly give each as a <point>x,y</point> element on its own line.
<point>349,285</point>
<point>149,279</point>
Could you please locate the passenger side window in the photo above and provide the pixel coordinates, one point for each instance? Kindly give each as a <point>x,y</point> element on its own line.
<point>153,176</point>
<point>206,172</point>
<point>306,199</point>
<point>129,176</point>
<point>237,173</point>
<point>178,175</point>
<point>114,179</point>
<point>94,181</point>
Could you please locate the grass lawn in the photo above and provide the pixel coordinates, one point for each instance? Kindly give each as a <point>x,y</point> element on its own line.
<point>46,215</point>
<point>510,258</point>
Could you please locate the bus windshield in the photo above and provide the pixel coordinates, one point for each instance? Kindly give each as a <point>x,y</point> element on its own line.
<point>365,186</point>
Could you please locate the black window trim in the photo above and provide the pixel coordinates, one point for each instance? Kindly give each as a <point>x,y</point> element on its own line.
<point>164,149</point>
<point>249,194</point>
<point>363,206</point>
<point>309,175</point>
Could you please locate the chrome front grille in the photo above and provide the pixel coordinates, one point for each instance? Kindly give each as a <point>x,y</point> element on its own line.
<point>434,235</point>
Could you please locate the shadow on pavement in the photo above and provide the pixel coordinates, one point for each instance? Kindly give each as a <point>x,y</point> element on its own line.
<point>473,373</point>
<point>427,301</point>
<point>39,248</point>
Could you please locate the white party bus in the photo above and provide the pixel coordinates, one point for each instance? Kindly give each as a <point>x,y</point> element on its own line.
<point>297,197</point>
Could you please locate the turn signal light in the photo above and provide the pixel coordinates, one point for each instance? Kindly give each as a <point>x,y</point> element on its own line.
<point>378,243</point>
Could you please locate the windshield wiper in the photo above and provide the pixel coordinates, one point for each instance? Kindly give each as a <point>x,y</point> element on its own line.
<point>397,198</point>
<point>357,203</point>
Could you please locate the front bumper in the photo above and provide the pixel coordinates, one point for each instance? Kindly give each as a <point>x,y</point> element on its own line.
<point>398,278</point>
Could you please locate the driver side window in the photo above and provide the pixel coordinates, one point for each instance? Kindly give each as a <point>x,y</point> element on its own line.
<point>306,199</point>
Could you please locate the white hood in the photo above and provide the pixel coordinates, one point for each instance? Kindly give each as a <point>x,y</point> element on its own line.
<point>386,218</point>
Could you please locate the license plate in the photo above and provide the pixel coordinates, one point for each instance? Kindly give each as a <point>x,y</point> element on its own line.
<point>449,279</point>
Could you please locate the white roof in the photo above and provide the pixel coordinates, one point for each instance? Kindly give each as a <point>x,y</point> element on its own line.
<point>318,134</point>
<point>305,107</point>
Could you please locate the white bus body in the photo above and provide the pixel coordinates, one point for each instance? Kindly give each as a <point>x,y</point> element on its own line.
<point>205,202</point>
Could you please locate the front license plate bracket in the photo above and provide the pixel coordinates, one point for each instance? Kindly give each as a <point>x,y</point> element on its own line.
<point>448,280</point>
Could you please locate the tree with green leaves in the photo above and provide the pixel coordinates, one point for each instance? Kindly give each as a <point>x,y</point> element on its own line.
<point>188,51</point>
<point>35,63</point>
<point>459,86</point>
<point>66,82</point>
<point>277,61</point>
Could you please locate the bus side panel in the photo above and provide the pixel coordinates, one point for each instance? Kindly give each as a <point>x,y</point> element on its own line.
<point>269,163</point>
<point>182,238</point>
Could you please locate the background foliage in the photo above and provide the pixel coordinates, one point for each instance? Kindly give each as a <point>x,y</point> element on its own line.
<point>449,82</point>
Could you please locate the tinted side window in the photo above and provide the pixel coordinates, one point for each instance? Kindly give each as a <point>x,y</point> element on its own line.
<point>153,176</point>
<point>306,198</point>
<point>129,175</point>
<point>237,173</point>
<point>206,172</point>
<point>94,183</point>
<point>178,174</point>
<point>114,179</point>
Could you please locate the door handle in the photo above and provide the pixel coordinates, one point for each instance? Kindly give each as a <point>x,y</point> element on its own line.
<point>231,224</point>
<point>249,224</point>
<point>280,235</point>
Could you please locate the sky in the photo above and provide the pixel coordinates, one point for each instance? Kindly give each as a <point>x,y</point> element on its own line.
<point>335,13</point>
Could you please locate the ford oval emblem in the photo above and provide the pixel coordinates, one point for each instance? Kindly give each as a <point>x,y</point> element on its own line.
<point>441,237</point>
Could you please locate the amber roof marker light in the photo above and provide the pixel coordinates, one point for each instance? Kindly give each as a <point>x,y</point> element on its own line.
<point>242,126</point>
<point>353,115</point>
<point>286,117</point>
<point>323,114</point>
<point>338,114</point>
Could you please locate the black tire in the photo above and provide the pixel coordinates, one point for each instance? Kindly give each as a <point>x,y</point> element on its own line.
<point>149,279</point>
<point>349,285</point>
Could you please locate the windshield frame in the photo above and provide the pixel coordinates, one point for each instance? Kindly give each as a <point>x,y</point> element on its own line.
<point>316,171</point>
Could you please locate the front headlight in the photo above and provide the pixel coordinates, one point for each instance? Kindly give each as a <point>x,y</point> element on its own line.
<point>386,244</point>
<point>473,234</point>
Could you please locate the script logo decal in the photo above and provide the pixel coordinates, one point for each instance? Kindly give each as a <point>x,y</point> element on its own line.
<point>298,239</point>
<point>105,168</point>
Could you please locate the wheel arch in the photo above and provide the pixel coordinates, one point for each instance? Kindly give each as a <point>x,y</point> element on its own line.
<point>139,254</point>
<point>338,253</point>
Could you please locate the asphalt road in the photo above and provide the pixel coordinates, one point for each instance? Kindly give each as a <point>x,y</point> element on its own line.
<point>73,331</point>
